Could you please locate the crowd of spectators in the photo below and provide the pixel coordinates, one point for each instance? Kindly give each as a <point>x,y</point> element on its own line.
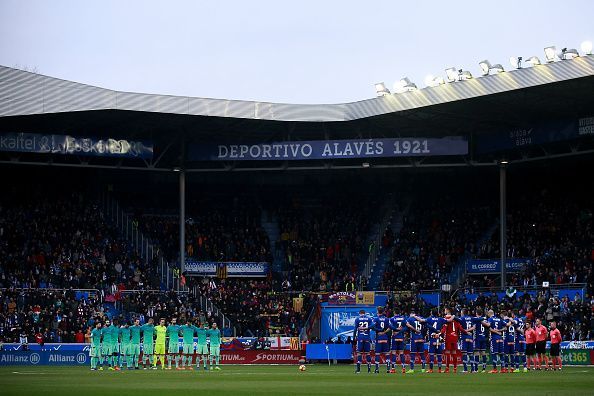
<point>321,240</point>
<point>258,307</point>
<point>42,316</point>
<point>63,241</point>
<point>433,237</point>
<point>218,228</point>
<point>556,234</point>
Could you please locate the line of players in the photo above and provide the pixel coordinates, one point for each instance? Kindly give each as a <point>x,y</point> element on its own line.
<point>110,342</point>
<point>511,341</point>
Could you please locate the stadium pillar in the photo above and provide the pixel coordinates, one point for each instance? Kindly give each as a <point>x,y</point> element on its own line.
<point>182,221</point>
<point>503,221</point>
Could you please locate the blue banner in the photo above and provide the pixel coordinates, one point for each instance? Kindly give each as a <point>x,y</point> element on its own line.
<point>431,299</point>
<point>330,351</point>
<point>493,266</point>
<point>65,144</point>
<point>538,133</point>
<point>230,269</point>
<point>328,149</point>
<point>338,322</point>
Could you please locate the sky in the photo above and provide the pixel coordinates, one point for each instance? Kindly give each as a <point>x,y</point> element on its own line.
<point>278,51</point>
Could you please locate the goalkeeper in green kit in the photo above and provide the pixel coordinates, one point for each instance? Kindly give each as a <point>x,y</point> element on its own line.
<point>215,345</point>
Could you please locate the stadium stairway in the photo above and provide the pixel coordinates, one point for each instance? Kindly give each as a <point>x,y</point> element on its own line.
<point>270,224</point>
<point>458,272</point>
<point>377,273</point>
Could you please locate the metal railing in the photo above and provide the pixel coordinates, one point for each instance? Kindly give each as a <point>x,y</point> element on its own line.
<point>206,304</point>
<point>96,292</point>
<point>129,229</point>
<point>553,288</point>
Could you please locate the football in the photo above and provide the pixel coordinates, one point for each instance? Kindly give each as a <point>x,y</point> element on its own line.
<point>302,367</point>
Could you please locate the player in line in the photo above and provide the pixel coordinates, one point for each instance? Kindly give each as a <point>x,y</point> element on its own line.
<point>214,335</point>
<point>161,337</point>
<point>148,346</point>
<point>362,333</point>
<point>480,340</point>
<point>469,325</point>
<point>398,326</point>
<point>134,350</point>
<point>382,340</point>
<point>496,327</point>
<point>202,351</point>
<point>417,341</point>
<point>433,323</point>
<point>96,353</point>
<point>187,331</point>
<point>109,345</point>
<point>173,344</point>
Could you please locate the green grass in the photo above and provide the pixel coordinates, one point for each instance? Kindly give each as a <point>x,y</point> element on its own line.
<point>287,380</point>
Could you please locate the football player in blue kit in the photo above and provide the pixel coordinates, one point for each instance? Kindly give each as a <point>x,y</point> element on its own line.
<point>362,333</point>
<point>417,341</point>
<point>398,326</point>
<point>509,343</point>
<point>381,326</point>
<point>434,323</point>
<point>515,328</point>
<point>467,340</point>
<point>520,340</point>
<point>497,326</point>
<point>481,334</point>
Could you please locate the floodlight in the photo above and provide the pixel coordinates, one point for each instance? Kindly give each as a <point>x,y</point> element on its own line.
<point>569,53</point>
<point>515,62</point>
<point>432,81</point>
<point>587,47</point>
<point>381,89</point>
<point>464,75</point>
<point>550,53</point>
<point>533,60</point>
<point>404,85</point>
<point>485,66</point>
<point>497,68</point>
<point>451,74</point>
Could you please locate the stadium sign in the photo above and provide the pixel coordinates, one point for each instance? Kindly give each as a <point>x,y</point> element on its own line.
<point>487,266</point>
<point>342,298</point>
<point>44,358</point>
<point>84,146</point>
<point>328,149</point>
<point>230,269</point>
<point>537,133</point>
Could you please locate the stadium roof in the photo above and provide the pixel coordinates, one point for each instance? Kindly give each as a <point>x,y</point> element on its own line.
<point>25,93</point>
<point>478,107</point>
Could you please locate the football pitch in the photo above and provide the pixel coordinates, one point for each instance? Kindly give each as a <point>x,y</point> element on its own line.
<point>287,380</point>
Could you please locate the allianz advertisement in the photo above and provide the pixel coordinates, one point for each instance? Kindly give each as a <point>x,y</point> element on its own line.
<point>49,355</point>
